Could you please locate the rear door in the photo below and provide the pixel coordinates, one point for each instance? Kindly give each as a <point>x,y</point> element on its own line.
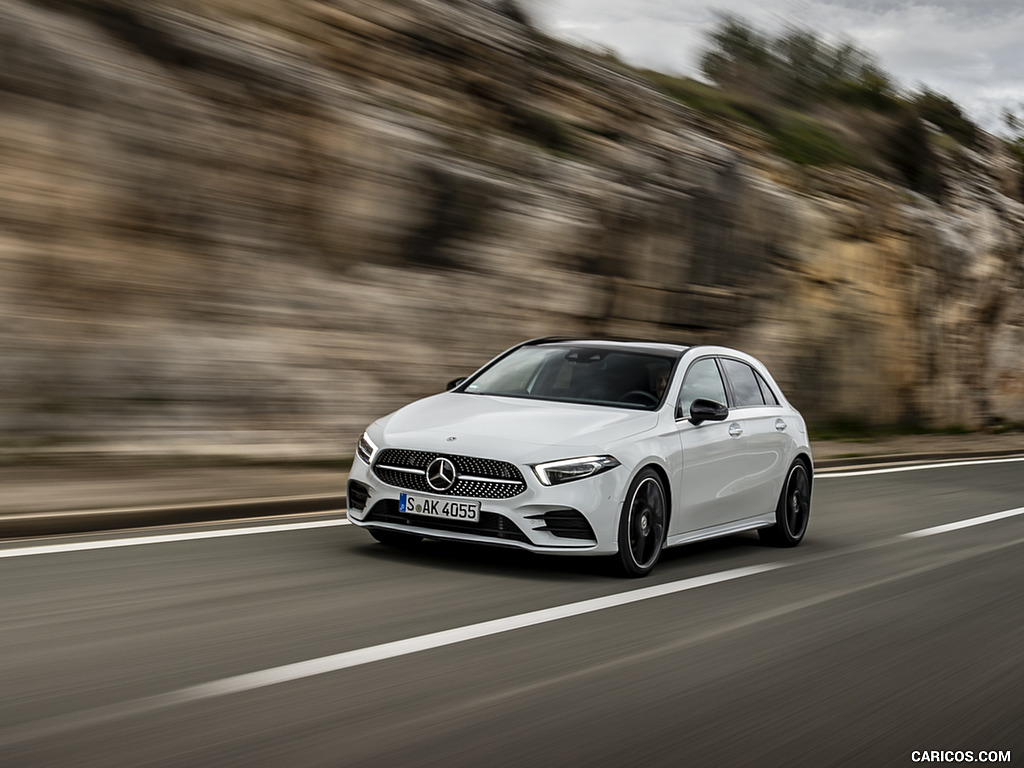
<point>764,434</point>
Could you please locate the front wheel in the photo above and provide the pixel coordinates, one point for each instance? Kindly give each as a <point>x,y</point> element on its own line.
<point>642,525</point>
<point>793,510</point>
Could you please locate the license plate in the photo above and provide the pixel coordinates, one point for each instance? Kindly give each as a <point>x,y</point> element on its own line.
<point>449,509</point>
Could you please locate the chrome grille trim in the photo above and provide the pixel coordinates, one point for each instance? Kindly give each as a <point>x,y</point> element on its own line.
<point>410,470</point>
<point>475,479</point>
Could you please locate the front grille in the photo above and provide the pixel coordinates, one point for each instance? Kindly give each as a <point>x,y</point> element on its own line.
<point>566,524</point>
<point>491,524</point>
<point>477,478</point>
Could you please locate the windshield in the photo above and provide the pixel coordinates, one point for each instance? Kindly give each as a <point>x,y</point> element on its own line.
<point>591,375</point>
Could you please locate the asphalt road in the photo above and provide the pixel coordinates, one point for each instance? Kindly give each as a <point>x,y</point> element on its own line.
<point>879,637</point>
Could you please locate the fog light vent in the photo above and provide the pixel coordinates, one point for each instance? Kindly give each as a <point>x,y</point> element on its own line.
<point>358,494</point>
<point>566,524</point>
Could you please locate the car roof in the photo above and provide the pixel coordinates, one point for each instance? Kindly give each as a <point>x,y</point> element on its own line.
<point>630,344</point>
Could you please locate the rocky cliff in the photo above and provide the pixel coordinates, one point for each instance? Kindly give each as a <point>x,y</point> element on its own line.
<point>251,225</point>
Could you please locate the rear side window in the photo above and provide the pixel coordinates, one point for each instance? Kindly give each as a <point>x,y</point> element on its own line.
<point>744,382</point>
<point>769,396</point>
<point>702,380</point>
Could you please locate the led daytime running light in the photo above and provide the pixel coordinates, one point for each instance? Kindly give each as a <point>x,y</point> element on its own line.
<point>557,472</point>
<point>366,448</point>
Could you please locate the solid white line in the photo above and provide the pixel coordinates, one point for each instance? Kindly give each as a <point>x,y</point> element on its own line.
<point>138,541</point>
<point>821,474</point>
<point>333,663</point>
<point>47,727</point>
<point>963,523</point>
<point>347,659</point>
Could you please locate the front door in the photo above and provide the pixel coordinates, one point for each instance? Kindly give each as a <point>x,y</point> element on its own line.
<point>713,454</point>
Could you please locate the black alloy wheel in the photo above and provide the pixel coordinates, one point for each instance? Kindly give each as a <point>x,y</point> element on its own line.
<point>793,510</point>
<point>642,525</point>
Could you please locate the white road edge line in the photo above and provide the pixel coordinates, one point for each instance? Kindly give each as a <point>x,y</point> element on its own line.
<point>970,522</point>
<point>824,473</point>
<point>138,541</point>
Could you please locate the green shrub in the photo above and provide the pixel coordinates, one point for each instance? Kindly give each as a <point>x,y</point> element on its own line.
<point>943,112</point>
<point>807,141</point>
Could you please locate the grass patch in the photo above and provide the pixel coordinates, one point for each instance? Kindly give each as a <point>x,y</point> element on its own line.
<point>798,137</point>
<point>807,141</point>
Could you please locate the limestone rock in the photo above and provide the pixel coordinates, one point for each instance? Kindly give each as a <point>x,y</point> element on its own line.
<point>234,224</point>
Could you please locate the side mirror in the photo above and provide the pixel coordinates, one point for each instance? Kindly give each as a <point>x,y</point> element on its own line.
<point>454,383</point>
<point>702,410</point>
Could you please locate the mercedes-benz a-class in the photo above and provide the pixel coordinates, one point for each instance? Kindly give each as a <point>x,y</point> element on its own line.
<point>590,447</point>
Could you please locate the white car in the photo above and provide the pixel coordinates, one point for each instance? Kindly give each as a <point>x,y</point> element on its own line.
<point>582,447</point>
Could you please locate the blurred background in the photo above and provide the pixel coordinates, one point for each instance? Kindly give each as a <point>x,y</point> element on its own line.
<point>250,227</point>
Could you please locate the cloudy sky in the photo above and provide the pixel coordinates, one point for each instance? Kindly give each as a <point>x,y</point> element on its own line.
<point>970,50</point>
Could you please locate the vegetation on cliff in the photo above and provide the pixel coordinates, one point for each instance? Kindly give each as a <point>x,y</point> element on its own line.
<point>821,102</point>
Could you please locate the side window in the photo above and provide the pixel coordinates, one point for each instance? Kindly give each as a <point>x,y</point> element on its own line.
<point>702,380</point>
<point>770,398</point>
<point>744,383</point>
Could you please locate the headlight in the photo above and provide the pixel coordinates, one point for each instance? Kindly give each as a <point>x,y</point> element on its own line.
<point>555,472</point>
<point>365,448</point>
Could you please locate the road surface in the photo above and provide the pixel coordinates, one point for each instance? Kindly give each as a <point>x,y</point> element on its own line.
<point>896,628</point>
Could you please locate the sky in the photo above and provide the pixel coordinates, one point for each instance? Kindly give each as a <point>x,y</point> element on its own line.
<point>970,50</point>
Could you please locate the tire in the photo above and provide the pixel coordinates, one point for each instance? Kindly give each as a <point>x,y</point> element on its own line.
<point>793,511</point>
<point>395,538</point>
<point>642,525</point>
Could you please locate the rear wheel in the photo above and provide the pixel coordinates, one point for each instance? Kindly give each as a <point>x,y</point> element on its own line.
<point>395,538</point>
<point>642,525</point>
<point>793,510</point>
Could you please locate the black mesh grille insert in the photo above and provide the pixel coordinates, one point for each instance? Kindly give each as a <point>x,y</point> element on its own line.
<point>491,524</point>
<point>487,478</point>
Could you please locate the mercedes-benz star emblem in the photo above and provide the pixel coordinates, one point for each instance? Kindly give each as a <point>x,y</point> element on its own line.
<point>441,475</point>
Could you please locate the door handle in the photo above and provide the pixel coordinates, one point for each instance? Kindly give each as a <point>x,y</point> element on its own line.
<point>735,430</point>
<point>780,425</point>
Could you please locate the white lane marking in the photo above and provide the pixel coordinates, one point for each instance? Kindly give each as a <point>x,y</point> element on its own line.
<point>970,522</point>
<point>47,727</point>
<point>347,659</point>
<point>824,473</point>
<point>138,541</point>
<point>339,661</point>
<point>650,654</point>
<point>51,726</point>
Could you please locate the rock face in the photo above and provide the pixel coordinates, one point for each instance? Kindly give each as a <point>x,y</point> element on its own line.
<point>251,225</point>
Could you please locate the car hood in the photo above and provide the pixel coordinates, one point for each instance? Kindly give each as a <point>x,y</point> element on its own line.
<point>511,428</point>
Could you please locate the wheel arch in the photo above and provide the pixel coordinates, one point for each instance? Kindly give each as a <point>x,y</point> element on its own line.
<point>663,476</point>
<point>804,458</point>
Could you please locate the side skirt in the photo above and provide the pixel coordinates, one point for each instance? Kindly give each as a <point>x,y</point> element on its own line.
<point>726,529</point>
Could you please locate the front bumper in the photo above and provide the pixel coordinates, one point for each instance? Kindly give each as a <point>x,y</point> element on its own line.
<point>574,518</point>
